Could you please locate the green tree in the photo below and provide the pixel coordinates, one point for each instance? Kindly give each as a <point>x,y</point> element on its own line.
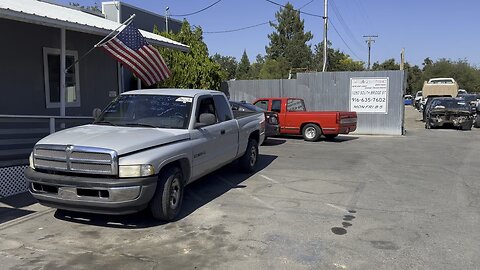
<point>194,69</point>
<point>256,66</point>
<point>274,69</point>
<point>229,65</point>
<point>336,60</point>
<point>289,39</point>
<point>388,64</point>
<point>466,75</point>
<point>243,67</point>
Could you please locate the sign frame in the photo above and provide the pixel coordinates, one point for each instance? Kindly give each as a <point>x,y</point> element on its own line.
<point>370,78</point>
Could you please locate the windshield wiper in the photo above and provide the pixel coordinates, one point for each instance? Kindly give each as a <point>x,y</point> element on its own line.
<point>104,123</point>
<point>139,125</point>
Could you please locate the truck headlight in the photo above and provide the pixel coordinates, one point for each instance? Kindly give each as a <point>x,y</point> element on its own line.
<point>125,171</point>
<point>30,161</point>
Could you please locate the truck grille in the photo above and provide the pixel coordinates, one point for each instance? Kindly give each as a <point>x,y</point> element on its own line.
<point>75,159</point>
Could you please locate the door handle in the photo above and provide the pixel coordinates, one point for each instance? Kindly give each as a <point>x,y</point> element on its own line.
<point>222,131</point>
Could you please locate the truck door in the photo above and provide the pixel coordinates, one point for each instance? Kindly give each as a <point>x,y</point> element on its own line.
<point>228,140</point>
<point>292,122</point>
<point>206,149</point>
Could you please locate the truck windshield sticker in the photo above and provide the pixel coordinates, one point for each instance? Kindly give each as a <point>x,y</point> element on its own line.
<point>184,99</point>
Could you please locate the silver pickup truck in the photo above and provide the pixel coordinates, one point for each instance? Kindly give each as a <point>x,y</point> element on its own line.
<point>141,151</point>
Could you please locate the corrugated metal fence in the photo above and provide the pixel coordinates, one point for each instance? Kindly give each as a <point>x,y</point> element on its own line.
<point>331,91</point>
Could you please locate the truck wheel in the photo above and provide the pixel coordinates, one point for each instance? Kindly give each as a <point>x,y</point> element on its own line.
<point>248,161</point>
<point>331,136</point>
<point>466,127</point>
<point>477,122</point>
<point>311,132</point>
<point>167,201</point>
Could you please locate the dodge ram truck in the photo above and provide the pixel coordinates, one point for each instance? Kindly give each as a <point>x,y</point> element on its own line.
<point>295,120</point>
<point>141,151</point>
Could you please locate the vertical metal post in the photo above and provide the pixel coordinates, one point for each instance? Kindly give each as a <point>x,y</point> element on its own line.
<point>139,84</point>
<point>166,19</point>
<point>402,59</point>
<point>52,125</point>
<point>325,29</point>
<point>62,71</point>
<point>120,78</point>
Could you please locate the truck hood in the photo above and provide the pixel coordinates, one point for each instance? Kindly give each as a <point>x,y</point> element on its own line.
<point>121,139</point>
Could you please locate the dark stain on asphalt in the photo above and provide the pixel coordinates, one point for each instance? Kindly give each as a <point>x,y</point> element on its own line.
<point>92,234</point>
<point>348,217</point>
<point>386,245</point>
<point>352,211</point>
<point>46,237</point>
<point>346,224</point>
<point>339,231</point>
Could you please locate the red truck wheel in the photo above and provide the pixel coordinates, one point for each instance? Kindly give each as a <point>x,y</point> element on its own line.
<point>311,132</point>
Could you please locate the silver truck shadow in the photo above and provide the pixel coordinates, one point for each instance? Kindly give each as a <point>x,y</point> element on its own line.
<point>197,194</point>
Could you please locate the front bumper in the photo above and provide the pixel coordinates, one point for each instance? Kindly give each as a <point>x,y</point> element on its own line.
<point>89,194</point>
<point>272,130</point>
<point>456,121</point>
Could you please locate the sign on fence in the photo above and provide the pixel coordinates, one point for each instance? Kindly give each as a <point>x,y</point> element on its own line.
<point>369,95</point>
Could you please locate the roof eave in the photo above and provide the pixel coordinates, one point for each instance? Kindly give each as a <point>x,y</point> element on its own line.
<point>35,19</point>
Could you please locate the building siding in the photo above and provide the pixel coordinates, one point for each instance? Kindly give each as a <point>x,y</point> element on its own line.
<point>22,73</point>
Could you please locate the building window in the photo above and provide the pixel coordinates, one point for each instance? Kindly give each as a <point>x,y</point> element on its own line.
<point>51,67</point>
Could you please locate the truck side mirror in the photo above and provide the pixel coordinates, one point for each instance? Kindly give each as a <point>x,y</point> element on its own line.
<point>206,119</point>
<point>96,113</point>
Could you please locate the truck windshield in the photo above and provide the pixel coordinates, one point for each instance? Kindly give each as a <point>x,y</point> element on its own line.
<point>159,111</point>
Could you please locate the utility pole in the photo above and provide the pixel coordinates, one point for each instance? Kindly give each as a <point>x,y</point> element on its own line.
<point>402,59</point>
<point>369,42</point>
<point>325,29</point>
<point>166,19</point>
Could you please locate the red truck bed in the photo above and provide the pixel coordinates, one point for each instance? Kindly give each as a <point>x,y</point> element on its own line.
<point>295,120</point>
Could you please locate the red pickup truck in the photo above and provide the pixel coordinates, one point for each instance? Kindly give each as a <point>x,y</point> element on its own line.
<point>294,119</point>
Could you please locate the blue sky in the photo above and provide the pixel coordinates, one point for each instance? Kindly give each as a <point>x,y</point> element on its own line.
<point>425,28</point>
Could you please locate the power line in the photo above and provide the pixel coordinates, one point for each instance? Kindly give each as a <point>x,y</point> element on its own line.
<point>298,10</point>
<point>238,29</point>
<point>344,42</point>
<point>251,26</point>
<point>323,17</point>
<point>198,11</point>
<point>345,25</point>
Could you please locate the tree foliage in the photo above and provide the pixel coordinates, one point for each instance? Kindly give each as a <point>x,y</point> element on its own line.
<point>289,40</point>
<point>228,64</point>
<point>336,59</point>
<point>243,70</point>
<point>466,75</point>
<point>195,69</point>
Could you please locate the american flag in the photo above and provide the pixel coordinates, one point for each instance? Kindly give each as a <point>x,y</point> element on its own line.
<point>131,49</point>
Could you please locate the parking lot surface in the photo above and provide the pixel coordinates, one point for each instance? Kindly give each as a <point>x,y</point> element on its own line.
<point>357,202</point>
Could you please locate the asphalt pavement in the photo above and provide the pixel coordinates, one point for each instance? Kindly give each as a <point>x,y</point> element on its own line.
<point>357,202</point>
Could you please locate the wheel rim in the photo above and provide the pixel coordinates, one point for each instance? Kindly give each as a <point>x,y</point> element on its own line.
<point>253,156</point>
<point>310,132</point>
<point>174,193</point>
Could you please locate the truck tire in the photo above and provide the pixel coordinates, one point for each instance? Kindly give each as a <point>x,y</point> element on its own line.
<point>311,132</point>
<point>331,136</point>
<point>477,122</point>
<point>466,127</point>
<point>167,201</point>
<point>248,161</point>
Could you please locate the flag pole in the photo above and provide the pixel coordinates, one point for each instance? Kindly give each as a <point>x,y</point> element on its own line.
<point>125,23</point>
